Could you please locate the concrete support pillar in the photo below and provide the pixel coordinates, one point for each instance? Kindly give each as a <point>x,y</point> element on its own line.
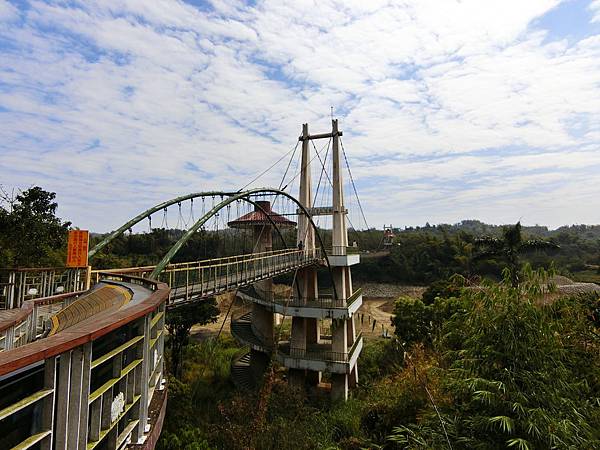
<point>130,387</point>
<point>339,280</point>
<point>339,338</point>
<point>259,362</point>
<point>263,319</point>
<point>353,378</point>
<point>105,414</point>
<point>49,402</point>
<point>96,416</point>
<point>339,387</point>
<point>84,385</point>
<point>313,335</point>
<point>351,331</point>
<point>298,337</point>
<point>64,391</point>
<point>262,323</point>
<point>313,332</point>
<point>297,378</point>
<point>141,380</point>
<point>72,389</point>
<point>348,282</point>
<point>306,234</point>
<point>74,409</point>
<point>340,232</point>
<point>339,345</point>
<point>160,345</point>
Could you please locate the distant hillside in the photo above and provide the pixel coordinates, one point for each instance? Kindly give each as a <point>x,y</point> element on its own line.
<point>478,228</point>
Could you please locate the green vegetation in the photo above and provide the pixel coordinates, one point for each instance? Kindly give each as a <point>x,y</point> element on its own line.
<point>514,372</point>
<point>424,255</point>
<point>30,233</point>
<point>179,322</point>
<point>205,410</point>
<point>504,368</point>
<point>509,249</point>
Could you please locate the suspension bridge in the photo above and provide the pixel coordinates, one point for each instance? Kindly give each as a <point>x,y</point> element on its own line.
<point>82,349</point>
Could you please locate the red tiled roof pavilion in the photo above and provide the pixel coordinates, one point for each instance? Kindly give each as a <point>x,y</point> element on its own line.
<point>259,218</point>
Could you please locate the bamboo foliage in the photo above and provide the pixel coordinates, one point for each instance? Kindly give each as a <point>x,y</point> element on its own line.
<point>520,373</point>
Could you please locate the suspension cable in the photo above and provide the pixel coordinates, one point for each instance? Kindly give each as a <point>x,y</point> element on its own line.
<point>288,167</point>
<point>354,185</point>
<point>322,171</point>
<point>273,165</point>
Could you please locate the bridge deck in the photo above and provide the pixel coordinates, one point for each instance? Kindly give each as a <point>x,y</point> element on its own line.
<point>201,279</point>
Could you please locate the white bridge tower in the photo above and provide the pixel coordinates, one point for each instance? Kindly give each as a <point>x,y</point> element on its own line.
<point>336,354</point>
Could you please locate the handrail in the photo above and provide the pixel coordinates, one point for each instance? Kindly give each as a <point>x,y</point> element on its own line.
<point>35,269</point>
<point>343,250</point>
<point>190,281</point>
<point>28,306</point>
<point>202,263</point>
<point>323,354</point>
<point>84,332</point>
<point>21,284</point>
<point>325,301</point>
<point>357,293</point>
<point>188,263</point>
<point>355,343</point>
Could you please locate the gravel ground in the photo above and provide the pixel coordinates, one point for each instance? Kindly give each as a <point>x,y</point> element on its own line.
<point>384,290</point>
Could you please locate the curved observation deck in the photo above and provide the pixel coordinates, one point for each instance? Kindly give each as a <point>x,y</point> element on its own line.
<point>324,307</point>
<point>320,357</point>
<point>97,381</point>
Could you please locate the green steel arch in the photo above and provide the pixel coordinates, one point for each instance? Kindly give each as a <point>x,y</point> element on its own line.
<point>233,196</point>
<point>237,196</point>
<point>119,231</point>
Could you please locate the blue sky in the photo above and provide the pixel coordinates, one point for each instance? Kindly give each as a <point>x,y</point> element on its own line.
<point>450,110</point>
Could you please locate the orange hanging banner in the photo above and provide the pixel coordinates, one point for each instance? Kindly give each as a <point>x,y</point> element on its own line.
<point>77,250</point>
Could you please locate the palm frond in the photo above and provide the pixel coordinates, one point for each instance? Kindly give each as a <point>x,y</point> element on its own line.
<point>537,244</point>
<point>490,242</point>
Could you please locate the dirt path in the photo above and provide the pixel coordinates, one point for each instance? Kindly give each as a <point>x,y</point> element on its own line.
<point>202,332</point>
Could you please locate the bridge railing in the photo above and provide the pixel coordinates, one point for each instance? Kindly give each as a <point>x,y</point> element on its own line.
<point>342,250</point>
<point>91,386</point>
<point>196,279</point>
<point>321,354</point>
<point>25,324</point>
<point>19,285</point>
<point>324,301</point>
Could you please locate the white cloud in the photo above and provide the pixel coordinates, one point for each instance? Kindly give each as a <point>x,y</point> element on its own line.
<point>595,8</point>
<point>7,11</point>
<point>466,108</point>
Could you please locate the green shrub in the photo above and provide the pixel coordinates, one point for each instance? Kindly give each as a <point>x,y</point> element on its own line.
<point>412,320</point>
<point>446,288</point>
<point>416,322</point>
<point>519,374</point>
<point>378,359</point>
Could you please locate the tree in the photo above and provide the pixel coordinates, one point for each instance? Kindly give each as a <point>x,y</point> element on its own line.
<point>30,233</point>
<point>510,247</point>
<point>518,373</point>
<point>180,321</point>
